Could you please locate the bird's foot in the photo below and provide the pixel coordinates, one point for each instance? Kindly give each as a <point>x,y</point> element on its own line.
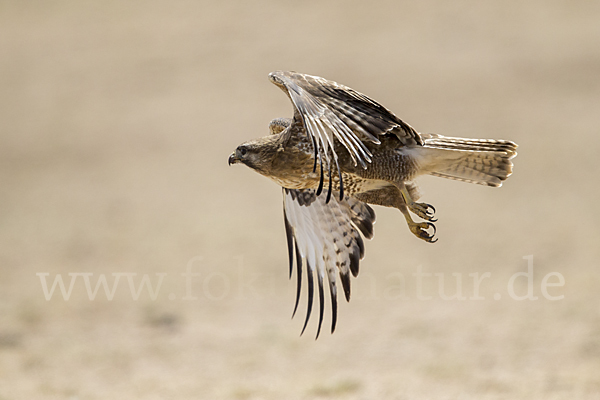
<point>423,210</point>
<point>419,229</point>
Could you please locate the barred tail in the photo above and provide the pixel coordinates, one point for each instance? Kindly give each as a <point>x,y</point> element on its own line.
<point>481,161</point>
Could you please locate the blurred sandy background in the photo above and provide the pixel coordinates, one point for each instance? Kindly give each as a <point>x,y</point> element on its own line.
<point>116,121</point>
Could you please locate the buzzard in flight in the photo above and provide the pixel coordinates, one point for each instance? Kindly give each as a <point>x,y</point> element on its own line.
<point>342,151</point>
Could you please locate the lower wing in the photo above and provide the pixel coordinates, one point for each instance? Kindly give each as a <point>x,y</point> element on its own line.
<point>326,236</point>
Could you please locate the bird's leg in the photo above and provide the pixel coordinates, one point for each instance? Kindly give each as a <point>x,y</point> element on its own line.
<point>422,210</point>
<point>419,229</point>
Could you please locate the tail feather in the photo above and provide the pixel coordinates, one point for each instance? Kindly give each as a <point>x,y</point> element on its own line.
<point>482,161</point>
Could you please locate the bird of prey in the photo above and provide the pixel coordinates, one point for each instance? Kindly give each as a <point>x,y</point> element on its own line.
<point>342,151</point>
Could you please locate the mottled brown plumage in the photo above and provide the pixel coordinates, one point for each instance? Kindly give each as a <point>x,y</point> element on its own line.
<point>342,150</point>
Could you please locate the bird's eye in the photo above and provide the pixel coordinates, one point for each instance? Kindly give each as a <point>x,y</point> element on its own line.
<point>243,151</point>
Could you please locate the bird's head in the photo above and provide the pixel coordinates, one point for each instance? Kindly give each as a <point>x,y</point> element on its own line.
<point>257,154</point>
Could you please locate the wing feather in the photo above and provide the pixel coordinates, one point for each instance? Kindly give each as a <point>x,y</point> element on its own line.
<point>298,278</point>
<point>309,278</point>
<point>327,237</point>
<point>331,111</point>
<point>321,302</point>
<point>290,243</point>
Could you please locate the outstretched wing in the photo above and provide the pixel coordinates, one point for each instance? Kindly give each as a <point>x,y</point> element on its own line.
<point>327,237</point>
<point>332,112</point>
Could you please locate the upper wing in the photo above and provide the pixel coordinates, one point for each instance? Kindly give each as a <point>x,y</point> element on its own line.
<point>329,110</point>
<point>327,237</point>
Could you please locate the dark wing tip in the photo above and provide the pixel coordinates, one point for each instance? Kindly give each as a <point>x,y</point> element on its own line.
<point>289,235</point>
<point>320,188</point>
<point>364,219</point>
<point>333,307</point>
<point>354,262</point>
<point>299,278</point>
<point>329,190</point>
<point>361,247</point>
<point>341,183</point>
<point>345,278</point>
<point>309,277</point>
<point>321,304</point>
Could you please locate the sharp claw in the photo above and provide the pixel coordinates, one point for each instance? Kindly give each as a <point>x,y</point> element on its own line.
<point>430,214</point>
<point>424,210</point>
<point>420,230</point>
<point>431,240</point>
<point>434,229</point>
<point>426,234</point>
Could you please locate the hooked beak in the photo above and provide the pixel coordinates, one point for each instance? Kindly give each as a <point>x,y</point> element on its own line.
<point>233,159</point>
